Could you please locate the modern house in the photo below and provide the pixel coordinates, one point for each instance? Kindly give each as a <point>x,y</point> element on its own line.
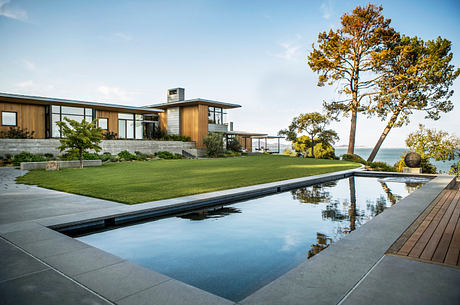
<point>195,118</point>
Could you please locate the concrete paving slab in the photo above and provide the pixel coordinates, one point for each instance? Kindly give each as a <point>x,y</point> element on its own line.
<point>121,280</point>
<point>82,261</point>
<point>31,235</point>
<point>19,226</point>
<point>16,263</point>
<point>173,292</point>
<point>46,287</point>
<point>396,280</point>
<point>50,247</point>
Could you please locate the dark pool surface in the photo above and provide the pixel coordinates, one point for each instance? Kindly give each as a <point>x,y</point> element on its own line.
<point>234,250</point>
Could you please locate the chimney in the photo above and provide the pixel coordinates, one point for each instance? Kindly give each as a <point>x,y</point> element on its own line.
<point>176,95</point>
<point>231,126</point>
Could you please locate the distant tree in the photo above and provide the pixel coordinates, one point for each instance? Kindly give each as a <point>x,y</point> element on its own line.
<point>80,137</point>
<point>344,56</point>
<point>415,76</point>
<point>433,144</point>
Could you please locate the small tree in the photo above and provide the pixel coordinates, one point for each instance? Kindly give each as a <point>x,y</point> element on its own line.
<point>234,145</point>
<point>214,144</point>
<point>433,144</point>
<point>79,137</point>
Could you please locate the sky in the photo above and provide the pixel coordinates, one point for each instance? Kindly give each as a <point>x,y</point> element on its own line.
<point>251,53</point>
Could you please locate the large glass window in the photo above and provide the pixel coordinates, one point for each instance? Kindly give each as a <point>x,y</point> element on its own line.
<point>73,113</point>
<point>9,118</point>
<point>130,126</point>
<point>216,115</point>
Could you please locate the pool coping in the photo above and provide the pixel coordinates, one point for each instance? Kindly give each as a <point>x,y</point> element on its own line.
<point>59,251</point>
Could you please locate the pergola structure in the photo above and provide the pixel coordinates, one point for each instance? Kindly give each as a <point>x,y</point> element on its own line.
<point>246,139</point>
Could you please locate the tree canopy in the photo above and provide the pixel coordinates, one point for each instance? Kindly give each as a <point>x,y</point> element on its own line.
<point>344,56</point>
<point>79,137</point>
<point>433,144</point>
<point>415,76</point>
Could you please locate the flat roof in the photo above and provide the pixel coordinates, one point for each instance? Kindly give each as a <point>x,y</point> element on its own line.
<point>245,133</point>
<point>196,101</point>
<point>40,100</point>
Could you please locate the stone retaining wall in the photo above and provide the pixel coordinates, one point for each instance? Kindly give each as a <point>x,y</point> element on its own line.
<point>62,164</point>
<point>44,146</point>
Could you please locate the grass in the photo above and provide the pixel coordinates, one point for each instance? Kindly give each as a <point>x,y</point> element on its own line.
<point>142,181</point>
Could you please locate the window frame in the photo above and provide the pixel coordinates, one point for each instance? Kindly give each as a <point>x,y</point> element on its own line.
<point>15,118</point>
<point>107,123</point>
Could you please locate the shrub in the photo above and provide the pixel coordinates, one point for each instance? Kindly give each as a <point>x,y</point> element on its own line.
<point>234,145</point>
<point>17,133</point>
<point>214,144</point>
<point>27,157</point>
<point>425,164</point>
<point>168,155</point>
<point>126,155</point>
<point>455,169</point>
<point>353,158</point>
<point>109,135</point>
<point>106,157</point>
<point>90,156</point>
<point>381,166</point>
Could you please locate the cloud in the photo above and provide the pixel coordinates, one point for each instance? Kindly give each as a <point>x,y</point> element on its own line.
<point>291,51</point>
<point>113,92</point>
<point>327,8</point>
<point>123,36</point>
<point>14,13</point>
<point>28,65</point>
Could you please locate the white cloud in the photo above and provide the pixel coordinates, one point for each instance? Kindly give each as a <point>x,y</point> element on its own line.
<point>113,92</point>
<point>123,36</point>
<point>290,51</point>
<point>14,13</point>
<point>28,65</point>
<point>327,8</point>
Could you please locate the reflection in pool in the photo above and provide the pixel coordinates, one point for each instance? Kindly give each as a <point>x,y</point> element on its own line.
<point>236,249</point>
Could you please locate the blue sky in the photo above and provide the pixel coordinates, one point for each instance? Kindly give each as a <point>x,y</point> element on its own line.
<point>248,52</point>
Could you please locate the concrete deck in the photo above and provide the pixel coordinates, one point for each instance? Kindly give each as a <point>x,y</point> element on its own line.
<point>42,266</point>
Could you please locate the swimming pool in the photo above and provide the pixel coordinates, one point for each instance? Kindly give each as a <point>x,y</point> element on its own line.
<point>234,250</point>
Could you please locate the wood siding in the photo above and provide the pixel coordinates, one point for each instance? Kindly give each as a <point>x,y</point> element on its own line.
<point>112,119</point>
<point>163,122</point>
<point>31,117</point>
<point>194,123</point>
<point>246,142</point>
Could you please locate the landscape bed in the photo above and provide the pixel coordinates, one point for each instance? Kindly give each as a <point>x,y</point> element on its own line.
<point>233,250</point>
<point>144,181</point>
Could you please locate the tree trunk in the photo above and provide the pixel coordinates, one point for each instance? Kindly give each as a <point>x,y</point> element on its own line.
<point>351,140</point>
<point>383,136</point>
<point>81,158</point>
<point>352,209</point>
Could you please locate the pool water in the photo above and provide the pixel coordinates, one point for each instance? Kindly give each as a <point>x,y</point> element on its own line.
<point>233,250</point>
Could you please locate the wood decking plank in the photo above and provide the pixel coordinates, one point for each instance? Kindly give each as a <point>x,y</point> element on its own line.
<point>425,237</point>
<point>446,239</point>
<point>435,238</point>
<point>452,256</point>
<point>410,243</point>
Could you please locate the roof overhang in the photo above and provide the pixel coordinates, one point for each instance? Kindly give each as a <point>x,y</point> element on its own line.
<point>245,134</point>
<point>39,100</point>
<point>197,101</point>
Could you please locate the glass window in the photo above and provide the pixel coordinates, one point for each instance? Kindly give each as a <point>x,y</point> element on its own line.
<point>73,110</point>
<point>88,111</point>
<point>56,109</point>
<point>77,118</point>
<point>9,118</point>
<point>122,129</point>
<point>103,123</point>
<point>139,130</point>
<point>55,130</point>
<point>129,129</point>
<point>211,119</point>
<point>126,116</point>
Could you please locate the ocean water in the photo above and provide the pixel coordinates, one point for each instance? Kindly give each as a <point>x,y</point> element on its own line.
<point>393,155</point>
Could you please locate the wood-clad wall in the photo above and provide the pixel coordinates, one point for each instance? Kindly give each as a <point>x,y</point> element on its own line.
<point>112,119</point>
<point>163,121</point>
<point>194,123</point>
<point>246,142</point>
<point>31,117</point>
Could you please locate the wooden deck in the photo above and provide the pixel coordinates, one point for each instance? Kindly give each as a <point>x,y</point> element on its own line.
<point>435,235</point>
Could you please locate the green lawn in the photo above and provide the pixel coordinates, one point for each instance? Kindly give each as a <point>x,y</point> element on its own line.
<point>142,181</point>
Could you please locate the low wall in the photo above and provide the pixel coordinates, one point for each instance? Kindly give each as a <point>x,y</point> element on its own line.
<point>49,146</point>
<point>62,164</point>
